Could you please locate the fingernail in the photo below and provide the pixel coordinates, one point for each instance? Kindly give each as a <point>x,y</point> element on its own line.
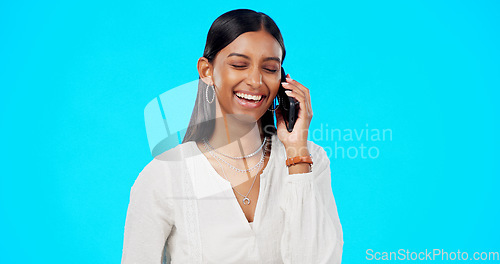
<point>288,92</point>
<point>284,83</point>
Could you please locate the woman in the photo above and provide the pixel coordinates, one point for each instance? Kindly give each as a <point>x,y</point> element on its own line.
<point>226,194</point>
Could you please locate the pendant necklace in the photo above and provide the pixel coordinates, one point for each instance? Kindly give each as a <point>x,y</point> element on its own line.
<point>246,200</point>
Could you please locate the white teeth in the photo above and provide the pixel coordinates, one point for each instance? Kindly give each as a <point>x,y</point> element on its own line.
<point>249,97</point>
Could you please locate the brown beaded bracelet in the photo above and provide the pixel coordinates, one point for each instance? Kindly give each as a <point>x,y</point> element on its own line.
<point>299,159</point>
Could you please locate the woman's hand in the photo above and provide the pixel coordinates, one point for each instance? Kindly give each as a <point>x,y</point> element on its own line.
<point>295,142</point>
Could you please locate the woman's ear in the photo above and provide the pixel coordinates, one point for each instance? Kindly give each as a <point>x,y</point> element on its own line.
<point>205,70</point>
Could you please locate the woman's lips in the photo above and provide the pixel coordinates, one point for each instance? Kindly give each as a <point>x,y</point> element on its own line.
<point>249,104</point>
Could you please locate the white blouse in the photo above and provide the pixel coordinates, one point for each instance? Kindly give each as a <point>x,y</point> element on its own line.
<point>182,211</point>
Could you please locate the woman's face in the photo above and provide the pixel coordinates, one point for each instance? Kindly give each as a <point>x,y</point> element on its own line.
<point>250,67</point>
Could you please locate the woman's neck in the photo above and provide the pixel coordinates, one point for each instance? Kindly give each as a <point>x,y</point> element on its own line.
<point>235,137</point>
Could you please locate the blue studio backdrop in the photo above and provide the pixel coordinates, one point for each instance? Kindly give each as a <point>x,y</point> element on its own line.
<point>404,94</point>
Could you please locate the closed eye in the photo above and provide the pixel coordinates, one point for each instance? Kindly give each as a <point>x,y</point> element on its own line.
<point>243,66</point>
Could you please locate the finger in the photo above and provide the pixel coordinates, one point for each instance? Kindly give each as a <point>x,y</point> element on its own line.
<point>304,89</point>
<point>305,103</point>
<point>293,87</point>
<point>297,84</point>
<point>303,112</point>
<point>297,92</point>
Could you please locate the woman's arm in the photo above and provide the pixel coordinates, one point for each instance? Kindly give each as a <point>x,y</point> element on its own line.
<point>149,217</point>
<point>312,229</point>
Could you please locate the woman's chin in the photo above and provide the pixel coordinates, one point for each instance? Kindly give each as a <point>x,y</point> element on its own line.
<point>244,118</point>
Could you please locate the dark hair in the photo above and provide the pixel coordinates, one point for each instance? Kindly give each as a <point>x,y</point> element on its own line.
<point>224,30</point>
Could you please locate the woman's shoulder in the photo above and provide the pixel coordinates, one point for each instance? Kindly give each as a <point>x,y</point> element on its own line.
<point>177,153</point>
<point>165,165</point>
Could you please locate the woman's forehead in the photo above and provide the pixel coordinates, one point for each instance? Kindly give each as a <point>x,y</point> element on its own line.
<point>256,45</point>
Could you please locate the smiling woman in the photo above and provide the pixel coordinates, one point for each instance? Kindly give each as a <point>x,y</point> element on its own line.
<point>239,189</point>
<point>245,70</point>
<point>244,51</point>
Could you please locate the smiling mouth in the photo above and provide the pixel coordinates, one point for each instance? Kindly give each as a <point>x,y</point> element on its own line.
<point>249,98</point>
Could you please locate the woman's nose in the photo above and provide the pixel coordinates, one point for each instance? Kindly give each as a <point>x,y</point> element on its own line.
<point>254,78</point>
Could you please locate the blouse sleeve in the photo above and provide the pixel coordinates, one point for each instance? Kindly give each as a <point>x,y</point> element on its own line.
<point>149,218</point>
<point>312,230</point>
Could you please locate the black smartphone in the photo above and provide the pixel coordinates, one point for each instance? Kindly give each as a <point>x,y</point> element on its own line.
<point>289,106</point>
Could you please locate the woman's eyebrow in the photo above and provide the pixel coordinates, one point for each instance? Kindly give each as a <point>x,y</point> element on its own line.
<point>248,58</point>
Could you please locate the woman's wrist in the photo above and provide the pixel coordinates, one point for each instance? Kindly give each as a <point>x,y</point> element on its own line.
<point>298,151</point>
<point>299,168</point>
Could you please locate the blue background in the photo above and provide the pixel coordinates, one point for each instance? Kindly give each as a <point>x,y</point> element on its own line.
<point>75,78</point>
